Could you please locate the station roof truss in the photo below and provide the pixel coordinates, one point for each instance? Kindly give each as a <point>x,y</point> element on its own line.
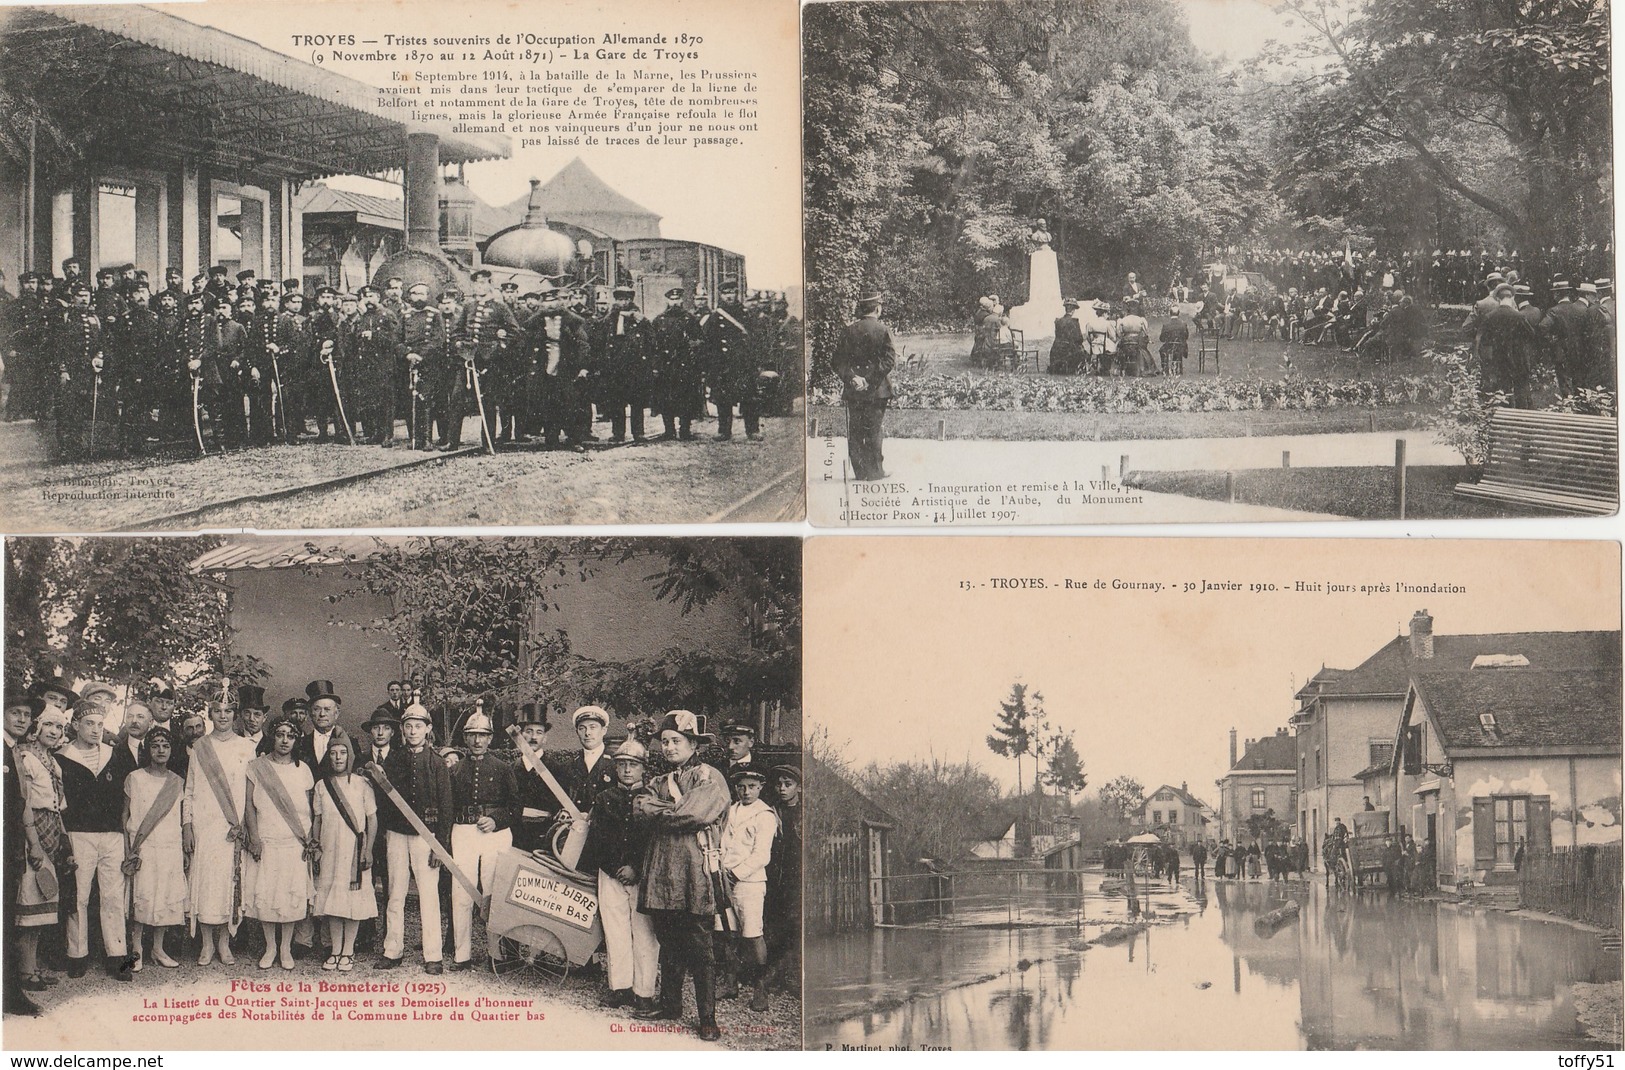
<point>173,87</point>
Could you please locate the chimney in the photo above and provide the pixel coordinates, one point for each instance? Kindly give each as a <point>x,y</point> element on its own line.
<point>1232,748</point>
<point>1421,635</point>
<point>1185,786</point>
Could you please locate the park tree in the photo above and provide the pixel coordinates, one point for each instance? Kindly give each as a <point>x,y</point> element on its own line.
<point>1016,727</point>
<point>1063,770</point>
<point>1488,108</point>
<point>1122,796</point>
<point>120,610</point>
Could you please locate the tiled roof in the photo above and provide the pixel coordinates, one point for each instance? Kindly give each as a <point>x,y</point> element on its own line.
<point>1532,707</point>
<point>1276,751</point>
<point>1389,670</point>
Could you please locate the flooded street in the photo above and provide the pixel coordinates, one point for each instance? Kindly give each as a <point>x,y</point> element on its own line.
<point>1346,973</point>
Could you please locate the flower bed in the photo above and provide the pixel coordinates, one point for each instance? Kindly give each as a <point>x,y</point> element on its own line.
<point>1041,393</point>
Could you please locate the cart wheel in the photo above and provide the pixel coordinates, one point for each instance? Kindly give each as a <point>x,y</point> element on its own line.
<point>539,952</point>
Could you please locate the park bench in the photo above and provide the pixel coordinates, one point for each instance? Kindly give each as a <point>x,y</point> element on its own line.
<point>1562,462</point>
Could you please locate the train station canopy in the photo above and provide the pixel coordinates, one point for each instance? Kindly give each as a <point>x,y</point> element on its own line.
<point>137,76</point>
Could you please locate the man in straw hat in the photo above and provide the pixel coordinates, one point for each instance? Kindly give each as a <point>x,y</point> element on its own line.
<point>484,796</point>
<point>682,890</point>
<point>614,851</point>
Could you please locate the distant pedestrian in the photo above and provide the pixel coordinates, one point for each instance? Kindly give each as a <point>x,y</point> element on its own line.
<point>863,360</point>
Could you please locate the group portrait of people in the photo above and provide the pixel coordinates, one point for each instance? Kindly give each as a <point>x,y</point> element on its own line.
<point>171,836</point>
<point>117,369</point>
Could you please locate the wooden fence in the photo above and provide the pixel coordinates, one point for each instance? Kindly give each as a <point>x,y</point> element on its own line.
<point>1580,882</point>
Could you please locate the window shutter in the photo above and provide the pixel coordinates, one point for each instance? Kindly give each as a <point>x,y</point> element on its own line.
<point>1540,824</point>
<point>1413,755</point>
<point>1483,832</point>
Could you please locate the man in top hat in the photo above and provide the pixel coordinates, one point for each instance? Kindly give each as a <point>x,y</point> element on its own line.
<point>590,770</point>
<point>484,796</point>
<point>749,828</point>
<point>485,330</point>
<point>252,709</point>
<point>678,380</point>
<point>95,824</point>
<point>324,723</point>
<point>419,775</point>
<point>729,355</point>
<point>864,359</point>
<point>532,827</point>
<point>621,364</point>
<point>616,844</point>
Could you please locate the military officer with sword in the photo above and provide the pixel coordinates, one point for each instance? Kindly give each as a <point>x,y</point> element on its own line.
<point>483,332</point>
<point>290,365</point>
<point>423,334</point>
<point>199,342</point>
<point>326,331</point>
<point>683,889</point>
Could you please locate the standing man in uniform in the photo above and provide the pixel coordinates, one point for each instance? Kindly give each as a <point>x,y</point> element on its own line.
<point>679,382</point>
<point>621,361</point>
<point>484,332</point>
<point>325,334</point>
<point>79,364</point>
<point>139,371</point>
<point>375,343</point>
<point>558,365</point>
<point>95,823</point>
<point>863,360</point>
<point>485,796</point>
<point>424,784</point>
<point>293,371</point>
<point>616,844</point>
<point>590,770</point>
<point>728,346</point>
<point>448,390</point>
<point>424,337</point>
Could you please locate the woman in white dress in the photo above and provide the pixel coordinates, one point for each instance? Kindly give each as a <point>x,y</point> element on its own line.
<point>347,817</point>
<point>212,833</point>
<point>281,840</point>
<point>152,835</point>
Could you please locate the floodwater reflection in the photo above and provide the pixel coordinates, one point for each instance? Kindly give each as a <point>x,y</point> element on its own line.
<point>1370,972</point>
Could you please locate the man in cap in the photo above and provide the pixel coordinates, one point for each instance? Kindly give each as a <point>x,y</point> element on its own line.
<point>324,724</point>
<point>79,363</point>
<point>95,824</point>
<point>558,364</point>
<point>728,348</point>
<point>485,795</point>
<point>295,365</point>
<point>537,804</point>
<point>425,339</point>
<point>138,373</point>
<point>226,391</point>
<point>590,770</point>
<point>621,363</point>
<point>325,339</point>
<point>739,739</point>
<point>863,360</point>
<point>420,777</point>
<point>678,380</point>
<point>485,329</point>
<point>26,349</point>
<point>374,346</point>
<point>782,924</point>
<point>749,828</point>
<point>616,844</point>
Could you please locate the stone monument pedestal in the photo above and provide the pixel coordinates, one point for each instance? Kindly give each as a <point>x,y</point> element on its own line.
<point>1036,319</point>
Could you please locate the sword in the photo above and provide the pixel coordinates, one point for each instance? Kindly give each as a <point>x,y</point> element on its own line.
<point>95,396</point>
<point>278,406</point>
<point>479,402</point>
<point>412,386</point>
<point>197,420</point>
<point>376,772</point>
<point>333,375</point>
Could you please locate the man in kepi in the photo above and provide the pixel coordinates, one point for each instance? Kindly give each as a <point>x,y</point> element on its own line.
<point>863,360</point>
<point>589,770</point>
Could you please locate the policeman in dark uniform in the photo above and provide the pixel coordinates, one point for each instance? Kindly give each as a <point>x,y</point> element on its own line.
<point>424,340</point>
<point>557,347</point>
<point>325,340</point>
<point>197,362</point>
<point>729,348</point>
<point>374,344</point>
<point>79,362</point>
<point>621,364</point>
<point>678,379</point>
<point>294,359</point>
<point>863,361</point>
<point>139,372</point>
<point>27,356</point>
<point>446,378</point>
<point>258,374</point>
<point>485,331</point>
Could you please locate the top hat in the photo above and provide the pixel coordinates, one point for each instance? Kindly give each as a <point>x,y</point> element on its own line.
<point>251,697</point>
<point>532,713</point>
<point>317,690</point>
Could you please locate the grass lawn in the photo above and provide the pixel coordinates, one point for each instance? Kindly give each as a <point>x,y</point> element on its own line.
<point>1360,493</point>
<point>982,425</point>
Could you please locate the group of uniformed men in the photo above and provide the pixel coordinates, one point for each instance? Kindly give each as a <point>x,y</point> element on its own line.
<point>119,366</point>
<point>221,824</point>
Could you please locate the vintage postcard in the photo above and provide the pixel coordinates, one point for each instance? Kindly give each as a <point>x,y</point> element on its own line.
<point>399,265</point>
<point>1212,795</point>
<point>1208,260</point>
<point>402,793</point>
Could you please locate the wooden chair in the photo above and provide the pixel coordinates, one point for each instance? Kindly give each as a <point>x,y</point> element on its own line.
<point>1020,350</point>
<point>1207,345</point>
<point>1557,461</point>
